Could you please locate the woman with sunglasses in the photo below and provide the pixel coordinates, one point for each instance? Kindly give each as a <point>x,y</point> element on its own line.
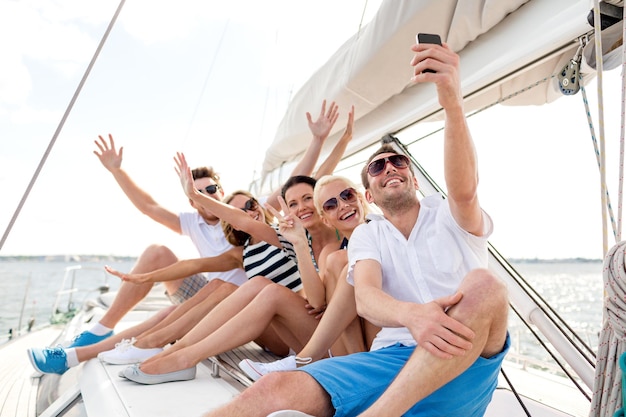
<point>239,319</point>
<point>274,306</point>
<point>340,330</point>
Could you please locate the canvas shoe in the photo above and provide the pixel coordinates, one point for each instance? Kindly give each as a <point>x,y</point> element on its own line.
<point>49,360</point>
<point>256,370</point>
<point>126,353</point>
<point>133,373</point>
<point>87,338</point>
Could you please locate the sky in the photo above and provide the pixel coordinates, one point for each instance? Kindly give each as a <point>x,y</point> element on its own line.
<point>213,79</point>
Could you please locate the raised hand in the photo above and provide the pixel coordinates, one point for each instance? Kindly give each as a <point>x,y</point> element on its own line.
<point>289,226</point>
<point>347,134</point>
<point>184,173</point>
<point>325,121</point>
<point>108,155</point>
<point>446,78</point>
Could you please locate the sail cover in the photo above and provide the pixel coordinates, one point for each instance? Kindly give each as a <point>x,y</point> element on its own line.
<point>504,45</point>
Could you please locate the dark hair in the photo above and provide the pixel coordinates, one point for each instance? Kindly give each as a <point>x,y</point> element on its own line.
<point>205,172</point>
<point>295,180</point>
<point>385,148</point>
<point>237,237</point>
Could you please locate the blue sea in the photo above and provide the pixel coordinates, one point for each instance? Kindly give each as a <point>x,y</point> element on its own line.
<point>29,289</point>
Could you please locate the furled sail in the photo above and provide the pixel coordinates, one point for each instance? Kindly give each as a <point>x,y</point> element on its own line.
<point>505,46</point>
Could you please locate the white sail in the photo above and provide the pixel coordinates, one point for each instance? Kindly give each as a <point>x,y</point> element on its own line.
<point>504,46</point>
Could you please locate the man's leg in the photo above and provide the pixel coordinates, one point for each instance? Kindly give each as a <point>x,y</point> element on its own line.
<point>279,391</point>
<point>129,294</point>
<point>484,309</point>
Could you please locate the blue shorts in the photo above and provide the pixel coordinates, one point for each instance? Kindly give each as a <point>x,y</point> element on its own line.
<point>355,381</point>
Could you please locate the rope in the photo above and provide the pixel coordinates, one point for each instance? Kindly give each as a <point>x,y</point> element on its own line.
<point>594,140</point>
<point>60,126</point>
<point>607,383</point>
<point>603,188</point>
<point>620,195</point>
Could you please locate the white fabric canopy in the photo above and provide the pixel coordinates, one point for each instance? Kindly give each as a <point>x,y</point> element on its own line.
<point>495,39</point>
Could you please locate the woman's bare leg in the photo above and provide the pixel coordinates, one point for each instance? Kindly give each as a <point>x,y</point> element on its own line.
<point>224,311</point>
<point>188,315</point>
<point>339,321</point>
<point>91,351</point>
<point>274,302</point>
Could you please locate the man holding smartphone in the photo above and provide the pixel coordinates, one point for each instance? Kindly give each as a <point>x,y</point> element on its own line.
<point>419,272</point>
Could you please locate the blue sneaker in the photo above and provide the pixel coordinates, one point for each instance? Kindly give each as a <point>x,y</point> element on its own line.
<point>87,338</point>
<point>49,360</point>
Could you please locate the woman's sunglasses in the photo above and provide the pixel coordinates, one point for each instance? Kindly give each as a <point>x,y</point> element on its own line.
<point>348,195</point>
<point>251,204</point>
<point>210,189</point>
<point>376,167</point>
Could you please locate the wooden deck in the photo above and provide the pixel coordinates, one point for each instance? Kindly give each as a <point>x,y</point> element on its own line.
<point>18,380</point>
<point>228,362</point>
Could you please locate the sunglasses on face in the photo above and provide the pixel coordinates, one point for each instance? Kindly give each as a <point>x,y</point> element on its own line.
<point>251,204</point>
<point>376,167</point>
<point>348,195</point>
<point>210,189</point>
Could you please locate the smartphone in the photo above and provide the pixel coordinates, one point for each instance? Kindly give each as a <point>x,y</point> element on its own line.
<point>428,38</point>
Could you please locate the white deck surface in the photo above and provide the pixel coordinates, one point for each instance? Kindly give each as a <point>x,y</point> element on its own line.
<point>106,394</point>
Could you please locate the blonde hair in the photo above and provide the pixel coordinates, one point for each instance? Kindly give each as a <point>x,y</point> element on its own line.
<point>327,179</point>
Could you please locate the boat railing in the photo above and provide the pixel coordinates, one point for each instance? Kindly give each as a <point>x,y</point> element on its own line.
<point>526,362</point>
<point>69,290</point>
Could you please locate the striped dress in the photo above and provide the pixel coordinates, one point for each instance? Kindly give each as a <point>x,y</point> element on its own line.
<point>272,262</point>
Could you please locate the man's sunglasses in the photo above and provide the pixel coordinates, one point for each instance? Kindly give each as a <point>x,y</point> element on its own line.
<point>210,189</point>
<point>376,167</point>
<point>251,204</point>
<point>348,195</point>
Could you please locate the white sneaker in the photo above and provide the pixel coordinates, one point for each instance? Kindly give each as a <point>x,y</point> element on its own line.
<point>289,413</point>
<point>256,370</point>
<point>125,353</point>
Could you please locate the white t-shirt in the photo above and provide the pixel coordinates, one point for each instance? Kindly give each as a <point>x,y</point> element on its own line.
<point>210,241</point>
<point>430,264</point>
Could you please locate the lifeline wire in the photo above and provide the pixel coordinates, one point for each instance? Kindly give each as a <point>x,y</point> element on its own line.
<point>60,126</point>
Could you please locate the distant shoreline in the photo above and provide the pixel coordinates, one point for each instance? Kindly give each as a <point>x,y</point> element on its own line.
<point>116,258</point>
<point>67,258</point>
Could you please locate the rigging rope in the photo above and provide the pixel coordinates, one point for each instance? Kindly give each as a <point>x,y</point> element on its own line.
<point>594,140</point>
<point>61,124</point>
<point>612,343</point>
<point>603,188</point>
<point>622,124</point>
